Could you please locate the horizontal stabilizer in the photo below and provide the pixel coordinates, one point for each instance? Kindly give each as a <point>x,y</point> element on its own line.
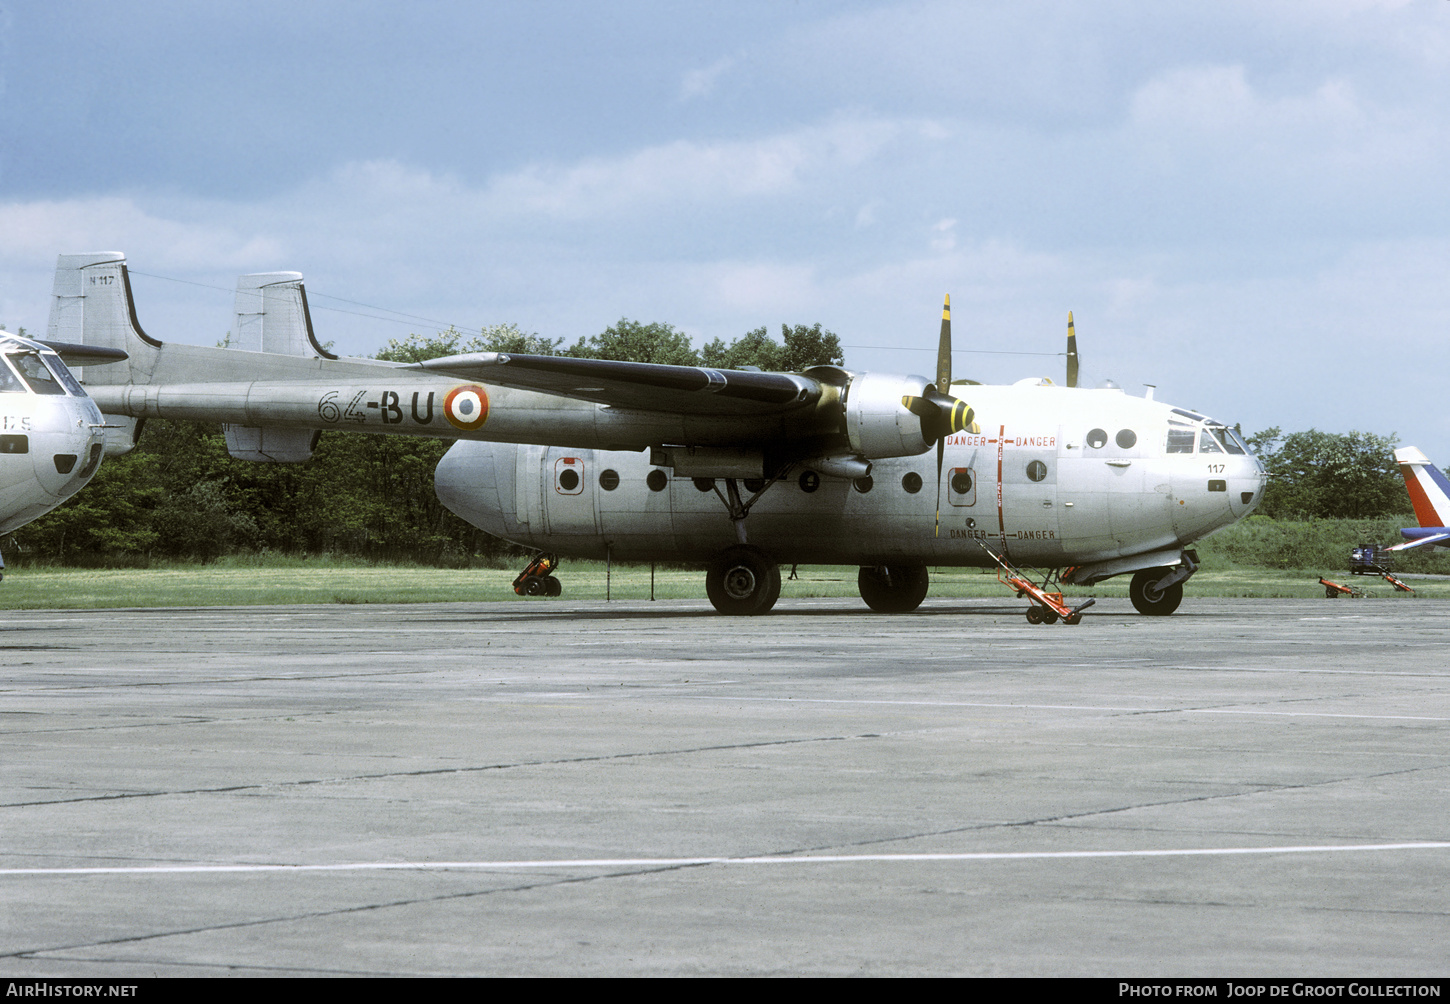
<point>86,355</point>
<point>1434,538</point>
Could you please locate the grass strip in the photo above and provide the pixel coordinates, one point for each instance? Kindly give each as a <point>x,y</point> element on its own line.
<point>290,581</point>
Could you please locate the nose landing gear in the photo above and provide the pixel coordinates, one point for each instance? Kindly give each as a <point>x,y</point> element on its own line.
<point>1158,591</point>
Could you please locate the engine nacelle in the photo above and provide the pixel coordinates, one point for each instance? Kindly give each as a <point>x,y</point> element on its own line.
<point>877,423</point>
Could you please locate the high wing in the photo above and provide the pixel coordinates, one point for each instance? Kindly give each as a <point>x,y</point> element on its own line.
<point>694,390</point>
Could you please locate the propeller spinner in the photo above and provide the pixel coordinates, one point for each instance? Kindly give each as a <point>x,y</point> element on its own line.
<point>941,414</point>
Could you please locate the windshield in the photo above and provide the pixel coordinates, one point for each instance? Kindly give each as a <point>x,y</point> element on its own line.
<point>9,382</point>
<point>1232,441</point>
<point>40,379</point>
<point>64,375</point>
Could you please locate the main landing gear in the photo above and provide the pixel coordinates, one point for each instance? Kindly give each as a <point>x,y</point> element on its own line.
<point>893,589</point>
<point>743,580</point>
<point>538,579</point>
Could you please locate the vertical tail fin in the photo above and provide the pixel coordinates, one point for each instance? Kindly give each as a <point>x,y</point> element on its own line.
<point>1429,489</point>
<point>272,316</point>
<point>91,304</point>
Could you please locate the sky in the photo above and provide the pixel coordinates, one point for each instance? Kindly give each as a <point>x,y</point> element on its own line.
<point>1243,203</point>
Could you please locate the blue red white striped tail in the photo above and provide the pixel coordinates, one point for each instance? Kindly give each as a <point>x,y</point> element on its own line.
<point>1430,495</point>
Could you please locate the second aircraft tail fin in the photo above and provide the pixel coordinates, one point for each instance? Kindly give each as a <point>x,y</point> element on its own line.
<point>1429,489</point>
<point>272,316</point>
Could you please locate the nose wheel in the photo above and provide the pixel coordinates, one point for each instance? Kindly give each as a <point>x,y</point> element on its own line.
<point>743,581</point>
<point>1149,594</point>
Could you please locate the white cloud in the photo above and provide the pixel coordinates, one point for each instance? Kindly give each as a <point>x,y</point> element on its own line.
<point>701,83</point>
<point>687,171</point>
<point>41,229</point>
<point>945,239</point>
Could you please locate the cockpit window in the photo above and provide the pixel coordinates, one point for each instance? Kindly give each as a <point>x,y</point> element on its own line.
<point>1180,440</point>
<point>64,375</point>
<point>1231,441</point>
<point>9,382</point>
<point>40,379</point>
<point>1208,444</point>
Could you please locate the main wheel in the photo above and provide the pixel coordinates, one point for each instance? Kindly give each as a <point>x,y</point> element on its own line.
<point>1148,598</point>
<point>893,589</point>
<point>743,581</point>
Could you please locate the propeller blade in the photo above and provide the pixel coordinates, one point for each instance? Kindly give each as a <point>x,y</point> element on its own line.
<point>944,349</point>
<point>941,448</point>
<point>1071,352</point>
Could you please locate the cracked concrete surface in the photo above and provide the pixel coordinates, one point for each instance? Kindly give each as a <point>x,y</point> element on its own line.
<point>637,789</point>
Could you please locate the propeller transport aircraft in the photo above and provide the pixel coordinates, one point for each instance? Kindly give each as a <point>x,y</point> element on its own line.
<point>51,434</point>
<point>739,470</point>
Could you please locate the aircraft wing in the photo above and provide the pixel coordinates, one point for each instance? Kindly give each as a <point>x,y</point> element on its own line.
<point>690,390</point>
<point>1432,539</point>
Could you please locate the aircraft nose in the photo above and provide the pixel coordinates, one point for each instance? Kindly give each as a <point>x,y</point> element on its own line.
<point>1245,484</point>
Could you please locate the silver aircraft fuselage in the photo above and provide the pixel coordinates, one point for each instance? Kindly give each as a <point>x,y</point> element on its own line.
<point>51,435</point>
<point>1056,477</point>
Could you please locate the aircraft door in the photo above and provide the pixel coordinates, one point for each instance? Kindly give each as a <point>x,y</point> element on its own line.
<point>570,498</point>
<point>528,487</point>
<point>1084,505</point>
<point>1029,496</point>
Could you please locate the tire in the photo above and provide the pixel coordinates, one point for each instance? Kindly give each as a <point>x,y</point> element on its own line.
<point>534,586</point>
<point>552,586</point>
<point>1034,615</point>
<point>743,581</point>
<point>1149,599</point>
<point>893,589</point>
<point>1049,616</point>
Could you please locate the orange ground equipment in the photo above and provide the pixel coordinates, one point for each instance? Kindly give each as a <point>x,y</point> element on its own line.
<point>1399,586</point>
<point>538,579</point>
<point>1333,590</point>
<point>1046,607</point>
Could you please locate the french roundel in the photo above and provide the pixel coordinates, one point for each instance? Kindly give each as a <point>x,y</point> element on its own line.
<point>466,407</point>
